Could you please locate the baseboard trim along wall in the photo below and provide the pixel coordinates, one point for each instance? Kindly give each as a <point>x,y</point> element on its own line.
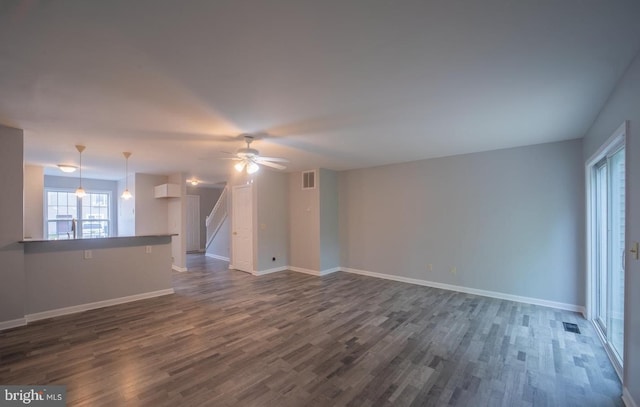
<point>467,290</point>
<point>216,256</point>
<point>179,269</point>
<point>318,273</point>
<point>93,305</point>
<point>269,271</point>
<point>626,398</point>
<point>12,323</point>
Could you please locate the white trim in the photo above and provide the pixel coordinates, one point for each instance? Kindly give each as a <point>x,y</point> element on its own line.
<point>314,272</point>
<point>93,305</point>
<point>216,256</point>
<point>467,290</point>
<point>178,268</point>
<point>12,323</point>
<point>627,399</point>
<point>608,350</point>
<point>269,271</point>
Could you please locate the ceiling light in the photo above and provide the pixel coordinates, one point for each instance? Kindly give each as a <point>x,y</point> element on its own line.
<point>126,195</point>
<point>67,168</point>
<point>252,167</point>
<point>240,166</point>
<point>193,182</point>
<point>80,191</point>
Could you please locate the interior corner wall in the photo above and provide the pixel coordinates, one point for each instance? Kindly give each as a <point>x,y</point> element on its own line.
<point>304,225</point>
<point>329,220</point>
<point>271,190</point>
<point>151,213</point>
<point>509,221</point>
<point>12,288</point>
<point>33,202</point>
<point>624,104</point>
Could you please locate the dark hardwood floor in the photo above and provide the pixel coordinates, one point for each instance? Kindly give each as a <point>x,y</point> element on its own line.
<point>227,338</point>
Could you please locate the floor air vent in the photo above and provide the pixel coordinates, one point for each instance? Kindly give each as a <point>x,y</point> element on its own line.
<point>569,327</point>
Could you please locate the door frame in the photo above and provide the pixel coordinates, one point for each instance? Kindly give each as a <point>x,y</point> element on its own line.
<point>613,143</point>
<point>234,211</point>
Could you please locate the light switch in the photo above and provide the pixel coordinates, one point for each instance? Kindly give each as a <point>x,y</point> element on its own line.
<point>148,249</point>
<point>88,255</point>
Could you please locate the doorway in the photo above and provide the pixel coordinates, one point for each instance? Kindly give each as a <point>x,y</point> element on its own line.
<point>606,205</point>
<point>242,228</point>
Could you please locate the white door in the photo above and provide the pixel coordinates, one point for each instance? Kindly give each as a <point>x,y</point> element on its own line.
<point>193,223</point>
<point>242,228</point>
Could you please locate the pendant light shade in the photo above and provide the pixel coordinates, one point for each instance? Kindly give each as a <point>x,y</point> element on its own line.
<point>80,193</point>
<point>126,195</point>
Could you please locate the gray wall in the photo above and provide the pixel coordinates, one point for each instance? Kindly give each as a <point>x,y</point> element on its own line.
<point>177,222</point>
<point>208,199</point>
<point>151,213</point>
<point>624,104</point>
<point>329,220</point>
<point>304,225</point>
<point>52,181</point>
<point>12,283</point>
<point>510,221</point>
<point>272,221</point>
<point>63,278</point>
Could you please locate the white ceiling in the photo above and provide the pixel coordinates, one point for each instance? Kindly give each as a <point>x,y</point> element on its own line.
<point>338,84</point>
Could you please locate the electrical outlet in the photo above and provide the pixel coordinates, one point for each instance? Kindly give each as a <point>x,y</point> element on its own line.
<point>88,255</point>
<point>453,270</point>
<point>148,249</point>
<point>429,267</point>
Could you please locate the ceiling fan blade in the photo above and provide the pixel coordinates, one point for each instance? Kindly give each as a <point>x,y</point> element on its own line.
<point>272,159</point>
<point>272,165</point>
<point>230,158</point>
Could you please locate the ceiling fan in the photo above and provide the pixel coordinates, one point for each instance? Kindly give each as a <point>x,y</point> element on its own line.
<point>250,159</point>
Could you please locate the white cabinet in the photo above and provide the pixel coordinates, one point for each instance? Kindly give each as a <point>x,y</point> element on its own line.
<point>167,191</point>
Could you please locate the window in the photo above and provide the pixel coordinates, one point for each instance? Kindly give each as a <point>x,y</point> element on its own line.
<point>91,214</point>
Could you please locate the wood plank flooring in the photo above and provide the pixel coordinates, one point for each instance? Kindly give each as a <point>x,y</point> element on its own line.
<point>227,338</point>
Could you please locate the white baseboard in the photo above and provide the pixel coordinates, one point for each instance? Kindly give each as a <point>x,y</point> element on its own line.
<point>318,273</point>
<point>12,323</point>
<point>627,399</point>
<point>216,256</point>
<point>93,305</point>
<point>269,271</point>
<point>178,268</point>
<point>467,290</point>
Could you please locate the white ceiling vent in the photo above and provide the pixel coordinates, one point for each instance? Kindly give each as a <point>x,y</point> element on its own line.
<point>308,179</point>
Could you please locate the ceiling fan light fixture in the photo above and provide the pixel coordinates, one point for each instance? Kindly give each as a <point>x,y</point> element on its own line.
<point>240,166</point>
<point>68,168</point>
<point>193,182</point>
<point>252,167</point>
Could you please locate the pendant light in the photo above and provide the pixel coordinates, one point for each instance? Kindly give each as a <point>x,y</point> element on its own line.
<point>80,191</point>
<point>126,195</point>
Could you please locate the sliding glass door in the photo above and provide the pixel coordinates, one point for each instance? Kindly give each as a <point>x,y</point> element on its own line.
<point>608,219</point>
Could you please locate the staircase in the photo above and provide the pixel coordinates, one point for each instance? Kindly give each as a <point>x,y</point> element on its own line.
<point>216,217</point>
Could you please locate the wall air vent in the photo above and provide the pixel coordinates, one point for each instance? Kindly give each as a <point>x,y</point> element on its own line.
<point>308,179</point>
